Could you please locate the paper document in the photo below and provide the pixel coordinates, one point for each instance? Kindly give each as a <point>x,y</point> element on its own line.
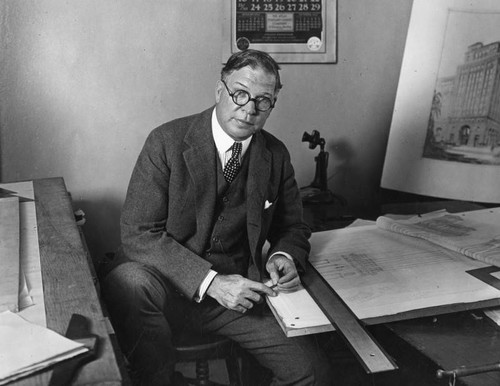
<point>27,347</point>
<point>31,292</point>
<point>31,299</point>
<point>475,234</point>
<point>298,313</point>
<point>9,253</point>
<point>379,273</point>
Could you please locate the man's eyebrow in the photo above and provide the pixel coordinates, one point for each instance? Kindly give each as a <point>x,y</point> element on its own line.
<point>266,94</point>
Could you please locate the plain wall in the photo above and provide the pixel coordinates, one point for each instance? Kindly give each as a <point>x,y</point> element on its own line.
<point>82,83</point>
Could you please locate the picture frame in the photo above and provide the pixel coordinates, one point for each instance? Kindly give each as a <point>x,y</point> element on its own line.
<point>291,31</point>
<point>434,143</point>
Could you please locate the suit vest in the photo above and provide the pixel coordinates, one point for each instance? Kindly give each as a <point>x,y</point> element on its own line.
<point>228,248</point>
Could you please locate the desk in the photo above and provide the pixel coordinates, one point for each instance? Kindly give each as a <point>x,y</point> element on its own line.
<point>446,342</point>
<point>68,283</point>
<point>422,346</point>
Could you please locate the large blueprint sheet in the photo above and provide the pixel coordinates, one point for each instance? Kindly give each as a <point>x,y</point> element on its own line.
<point>380,273</point>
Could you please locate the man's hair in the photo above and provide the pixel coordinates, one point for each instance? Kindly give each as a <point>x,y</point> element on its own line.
<point>254,59</point>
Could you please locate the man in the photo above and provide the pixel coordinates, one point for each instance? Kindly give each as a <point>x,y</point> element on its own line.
<point>207,191</point>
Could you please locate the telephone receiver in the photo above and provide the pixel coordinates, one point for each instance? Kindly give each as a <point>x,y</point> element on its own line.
<point>320,177</point>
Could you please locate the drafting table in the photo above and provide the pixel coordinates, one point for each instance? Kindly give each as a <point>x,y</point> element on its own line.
<point>421,346</point>
<point>69,282</point>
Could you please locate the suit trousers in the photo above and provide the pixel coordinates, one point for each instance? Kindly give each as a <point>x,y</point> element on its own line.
<point>146,311</point>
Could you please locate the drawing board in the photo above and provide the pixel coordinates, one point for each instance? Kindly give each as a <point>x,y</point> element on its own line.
<point>444,138</point>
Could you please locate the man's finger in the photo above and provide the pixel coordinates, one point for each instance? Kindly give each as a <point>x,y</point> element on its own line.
<point>253,296</point>
<point>290,286</point>
<point>261,288</point>
<point>275,277</point>
<point>247,304</point>
<point>273,272</point>
<point>287,277</point>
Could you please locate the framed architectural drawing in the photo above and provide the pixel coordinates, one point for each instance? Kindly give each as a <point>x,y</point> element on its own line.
<point>292,31</point>
<point>444,139</point>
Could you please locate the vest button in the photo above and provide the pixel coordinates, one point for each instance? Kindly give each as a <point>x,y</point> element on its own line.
<point>221,218</point>
<point>225,199</point>
<point>215,239</point>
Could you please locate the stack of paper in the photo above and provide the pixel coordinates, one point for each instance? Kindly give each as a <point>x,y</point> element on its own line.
<point>20,269</point>
<point>26,348</point>
<point>385,276</point>
<point>298,314</point>
<point>475,234</point>
<point>9,253</point>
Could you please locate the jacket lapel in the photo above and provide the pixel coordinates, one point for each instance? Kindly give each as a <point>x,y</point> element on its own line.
<point>259,171</point>
<point>201,162</point>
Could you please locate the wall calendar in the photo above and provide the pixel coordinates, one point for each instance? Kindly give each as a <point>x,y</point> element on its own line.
<point>292,31</point>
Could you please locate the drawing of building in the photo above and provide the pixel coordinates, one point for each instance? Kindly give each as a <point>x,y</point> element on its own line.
<point>465,116</point>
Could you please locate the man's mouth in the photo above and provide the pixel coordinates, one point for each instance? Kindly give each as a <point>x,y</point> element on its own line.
<point>242,122</point>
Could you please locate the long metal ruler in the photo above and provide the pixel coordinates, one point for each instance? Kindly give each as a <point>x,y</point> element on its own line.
<point>485,275</point>
<point>369,353</point>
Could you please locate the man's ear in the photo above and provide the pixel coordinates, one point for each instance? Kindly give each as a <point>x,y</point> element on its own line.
<point>218,91</point>
<point>276,96</point>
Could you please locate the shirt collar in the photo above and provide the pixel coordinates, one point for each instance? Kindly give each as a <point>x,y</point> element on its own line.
<point>223,142</point>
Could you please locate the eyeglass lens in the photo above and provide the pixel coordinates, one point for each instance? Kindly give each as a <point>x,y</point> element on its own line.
<point>242,97</point>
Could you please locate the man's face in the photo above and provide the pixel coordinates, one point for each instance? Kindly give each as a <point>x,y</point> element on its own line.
<point>240,122</point>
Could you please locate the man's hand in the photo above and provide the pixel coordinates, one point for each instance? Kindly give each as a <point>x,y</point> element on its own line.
<point>283,272</point>
<point>237,293</point>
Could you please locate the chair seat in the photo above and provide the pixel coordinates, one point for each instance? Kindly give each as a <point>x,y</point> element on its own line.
<point>191,346</point>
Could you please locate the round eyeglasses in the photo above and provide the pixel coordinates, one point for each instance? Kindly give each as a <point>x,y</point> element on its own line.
<point>242,97</point>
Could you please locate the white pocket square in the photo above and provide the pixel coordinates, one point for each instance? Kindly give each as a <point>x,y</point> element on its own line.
<point>267,204</point>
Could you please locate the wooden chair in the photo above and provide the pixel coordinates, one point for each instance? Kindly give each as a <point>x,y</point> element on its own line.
<point>190,347</point>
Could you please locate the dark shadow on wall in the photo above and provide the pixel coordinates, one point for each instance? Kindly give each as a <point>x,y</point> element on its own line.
<point>102,227</point>
<point>339,165</point>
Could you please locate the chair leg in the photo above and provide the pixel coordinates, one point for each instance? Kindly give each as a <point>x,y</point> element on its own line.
<point>202,373</point>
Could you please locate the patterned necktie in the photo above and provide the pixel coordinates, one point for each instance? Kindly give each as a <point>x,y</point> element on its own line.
<point>233,165</point>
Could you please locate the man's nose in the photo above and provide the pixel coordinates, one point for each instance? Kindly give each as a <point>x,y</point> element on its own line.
<point>250,107</point>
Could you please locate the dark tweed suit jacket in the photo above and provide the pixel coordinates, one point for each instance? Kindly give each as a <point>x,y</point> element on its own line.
<point>170,206</point>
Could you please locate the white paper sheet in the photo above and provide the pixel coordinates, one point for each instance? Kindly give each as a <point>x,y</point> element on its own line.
<point>379,273</point>
<point>32,305</point>
<point>298,309</point>
<point>27,347</point>
<point>475,234</point>
<point>9,253</point>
